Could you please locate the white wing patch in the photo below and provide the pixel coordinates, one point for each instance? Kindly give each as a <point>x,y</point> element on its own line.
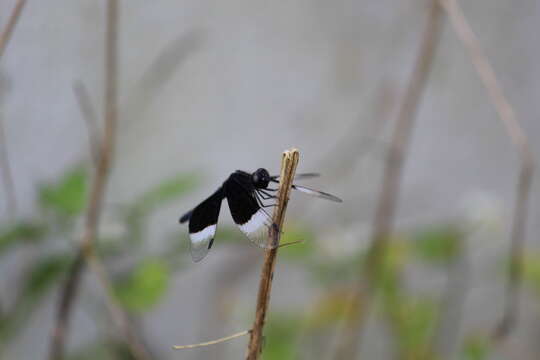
<point>203,235</point>
<point>200,242</point>
<point>256,229</point>
<point>254,224</point>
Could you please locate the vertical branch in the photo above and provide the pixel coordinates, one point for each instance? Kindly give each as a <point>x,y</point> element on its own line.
<point>388,196</point>
<point>519,138</point>
<point>289,162</point>
<point>5,167</point>
<point>90,119</point>
<point>86,250</point>
<point>389,193</point>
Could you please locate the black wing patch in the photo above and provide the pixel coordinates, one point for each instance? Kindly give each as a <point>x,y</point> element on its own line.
<point>252,220</point>
<point>202,224</point>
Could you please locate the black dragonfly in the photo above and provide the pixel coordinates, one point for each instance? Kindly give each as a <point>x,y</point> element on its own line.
<point>245,195</point>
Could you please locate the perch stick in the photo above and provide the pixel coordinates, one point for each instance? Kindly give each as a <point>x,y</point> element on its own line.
<point>289,162</point>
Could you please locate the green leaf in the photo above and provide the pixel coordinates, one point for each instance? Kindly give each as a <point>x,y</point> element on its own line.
<point>438,244</point>
<point>21,233</point>
<point>44,274</point>
<point>145,286</point>
<point>415,319</point>
<point>531,271</point>
<point>166,191</point>
<point>68,196</point>
<point>281,334</point>
<point>476,348</point>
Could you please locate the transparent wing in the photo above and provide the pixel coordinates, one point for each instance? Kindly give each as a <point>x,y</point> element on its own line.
<point>300,176</point>
<point>257,229</point>
<point>317,193</point>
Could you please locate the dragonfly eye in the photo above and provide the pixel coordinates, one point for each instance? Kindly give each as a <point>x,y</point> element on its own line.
<point>261,178</point>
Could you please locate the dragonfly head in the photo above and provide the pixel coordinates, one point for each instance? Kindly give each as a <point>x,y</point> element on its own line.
<point>260,178</point>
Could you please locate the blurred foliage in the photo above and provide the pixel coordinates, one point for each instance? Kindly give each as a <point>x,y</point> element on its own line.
<point>20,234</point>
<point>145,285</point>
<point>410,318</point>
<point>141,279</point>
<point>281,336</point>
<point>531,271</point>
<point>102,349</point>
<point>414,321</point>
<point>297,251</point>
<point>438,244</point>
<point>139,286</point>
<point>40,278</point>
<point>68,195</point>
<point>328,309</point>
<point>165,192</point>
<point>135,215</point>
<point>44,273</point>
<point>476,348</point>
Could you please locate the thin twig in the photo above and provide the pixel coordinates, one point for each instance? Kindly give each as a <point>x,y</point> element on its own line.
<point>90,118</point>
<point>212,342</point>
<point>289,162</point>
<point>93,213</point>
<point>5,36</point>
<point>519,138</point>
<point>5,167</point>
<point>119,316</point>
<point>67,297</point>
<point>223,294</point>
<point>7,177</point>
<point>295,242</point>
<point>389,193</point>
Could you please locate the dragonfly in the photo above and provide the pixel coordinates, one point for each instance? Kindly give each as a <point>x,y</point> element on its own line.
<point>246,194</point>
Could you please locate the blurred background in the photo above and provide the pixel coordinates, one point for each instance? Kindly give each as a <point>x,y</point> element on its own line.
<point>208,87</point>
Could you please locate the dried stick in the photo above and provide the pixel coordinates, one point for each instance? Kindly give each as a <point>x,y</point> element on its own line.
<point>289,162</point>
<point>97,194</point>
<point>389,193</point>
<point>5,167</point>
<point>217,341</point>
<point>119,316</point>
<point>93,211</point>
<point>5,36</point>
<point>90,119</point>
<point>517,135</point>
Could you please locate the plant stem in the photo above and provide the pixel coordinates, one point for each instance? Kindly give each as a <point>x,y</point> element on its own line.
<point>383,221</point>
<point>519,138</point>
<point>289,162</point>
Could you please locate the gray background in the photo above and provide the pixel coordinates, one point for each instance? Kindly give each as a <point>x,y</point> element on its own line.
<point>259,77</point>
